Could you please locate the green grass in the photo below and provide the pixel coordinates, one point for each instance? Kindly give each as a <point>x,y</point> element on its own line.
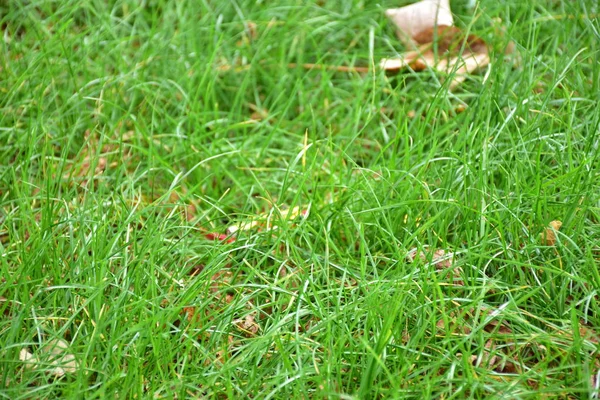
<point>125,140</point>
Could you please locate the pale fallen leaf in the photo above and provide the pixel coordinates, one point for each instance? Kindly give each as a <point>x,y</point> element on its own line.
<point>56,352</point>
<point>28,359</point>
<point>417,17</point>
<point>548,237</point>
<point>491,357</point>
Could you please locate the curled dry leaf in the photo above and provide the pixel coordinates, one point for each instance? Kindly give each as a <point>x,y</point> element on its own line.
<point>588,333</point>
<point>491,357</point>
<point>548,237</point>
<point>464,323</point>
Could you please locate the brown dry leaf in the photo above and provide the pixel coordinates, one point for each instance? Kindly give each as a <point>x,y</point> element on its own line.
<point>499,327</point>
<point>588,333</point>
<point>548,237</point>
<point>428,24</point>
<point>247,325</point>
<point>91,162</point>
<point>471,318</point>
<point>196,270</point>
<point>487,358</point>
<point>258,113</point>
<point>251,30</point>
<point>442,52</point>
<point>190,313</point>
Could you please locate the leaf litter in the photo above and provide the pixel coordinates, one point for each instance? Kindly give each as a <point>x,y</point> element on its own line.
<point>428,28</point>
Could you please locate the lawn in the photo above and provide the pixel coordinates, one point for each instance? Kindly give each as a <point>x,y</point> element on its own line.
<point>188,211</point>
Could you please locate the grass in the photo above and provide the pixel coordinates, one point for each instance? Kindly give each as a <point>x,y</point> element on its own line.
<point>131,133</point>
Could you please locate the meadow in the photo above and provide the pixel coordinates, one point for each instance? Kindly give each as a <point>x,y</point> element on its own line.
<point>189,211</point>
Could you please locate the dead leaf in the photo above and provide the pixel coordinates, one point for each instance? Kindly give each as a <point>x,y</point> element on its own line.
<point>588,333</point>
<point>220,280</point>
<point>417,17</point>
<point>196,270</point>
<point>269,220</point>
<point>56,351</point>
<point>440,259</point>
<point>219,237</point>
<point>428,24</point>
<point>548,237</point>
<point>251,30</point>
<point>447,50</point>
<point>28,359</point>
<point>247,325</point>
<point>191,313</point>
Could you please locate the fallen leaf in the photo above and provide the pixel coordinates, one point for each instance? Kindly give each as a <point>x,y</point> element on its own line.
<point>219,237</point>
<point>248,325</point>
<point>196,270</point>
<point>439,258</point>
<point>28,359</point>
<point>447,50</point>
<point>427,27</point>
<point>220,280</point>
<point>548,237</point>
<point>413,19</point>
<point>269,220</point>
<point>588,333</point>
<point>56,352</point>
<point>251,30</point>
<point>190,313</point>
